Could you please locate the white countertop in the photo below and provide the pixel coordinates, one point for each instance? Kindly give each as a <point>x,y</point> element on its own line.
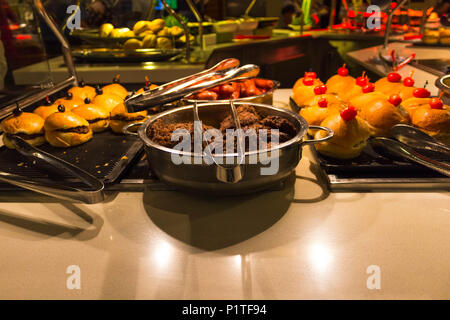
<point>365,56</point>
<point>298,243</point>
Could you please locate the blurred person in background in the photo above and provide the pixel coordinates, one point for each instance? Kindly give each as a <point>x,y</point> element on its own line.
<point>288,13</point>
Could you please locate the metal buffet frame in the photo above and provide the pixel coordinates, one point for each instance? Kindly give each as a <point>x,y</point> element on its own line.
<point>71,81</point>
<point>335,183</point>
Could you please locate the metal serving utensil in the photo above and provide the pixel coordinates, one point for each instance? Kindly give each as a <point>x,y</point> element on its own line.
<point>156,97</point>
<point>418,139</point>
<point>92,195</point>
<point>403,150</point>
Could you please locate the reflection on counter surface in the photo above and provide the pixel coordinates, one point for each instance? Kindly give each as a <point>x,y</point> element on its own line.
<point>343,217</point>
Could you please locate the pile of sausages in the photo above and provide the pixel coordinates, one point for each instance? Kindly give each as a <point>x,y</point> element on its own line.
<point>235,90</point>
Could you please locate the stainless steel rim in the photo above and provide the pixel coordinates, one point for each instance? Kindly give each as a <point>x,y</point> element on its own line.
<point>142,132</point>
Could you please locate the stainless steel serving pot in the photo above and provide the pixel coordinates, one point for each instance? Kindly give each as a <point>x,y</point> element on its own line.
<point>232,179</point>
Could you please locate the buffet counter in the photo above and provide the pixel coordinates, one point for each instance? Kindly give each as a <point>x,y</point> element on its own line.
<point>296,242</point>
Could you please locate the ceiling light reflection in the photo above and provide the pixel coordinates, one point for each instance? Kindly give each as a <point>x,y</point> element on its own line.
<point>163,254</point>
<point>320,256</point>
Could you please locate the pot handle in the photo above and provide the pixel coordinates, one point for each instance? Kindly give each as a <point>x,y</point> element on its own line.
<point>125,129</point>
<point>314,141</point>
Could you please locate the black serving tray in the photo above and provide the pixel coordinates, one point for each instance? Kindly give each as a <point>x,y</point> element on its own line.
<point>106,156</point>
<point>373,170</point>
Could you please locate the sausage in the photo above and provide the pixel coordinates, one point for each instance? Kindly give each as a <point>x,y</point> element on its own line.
<point>207,95</point>
<point>236,90</point>
<point>250,88</point>
<point>215,89</point>
<point>226,90</point>
<point>264,83</point>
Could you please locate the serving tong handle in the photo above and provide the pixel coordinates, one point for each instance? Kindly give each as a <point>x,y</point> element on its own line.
<point>156,97</point>
<point>94,194</point>
<point>232,173</point>
<point>418,139</point>
<point>407,152</point>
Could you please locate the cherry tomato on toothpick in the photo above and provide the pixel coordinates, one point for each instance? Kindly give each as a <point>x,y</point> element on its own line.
<point>370,87</point>
<point>308,81</point>
<point>394,77</point>
<point>343,71</point>
<point>408,82</point>
<point>322,89</point>
<point>348,113</point>
<point>395,99</point>
<point>323,103</point>
<point>421,93</point>
<point>436,103</point>
<point>311,75</point>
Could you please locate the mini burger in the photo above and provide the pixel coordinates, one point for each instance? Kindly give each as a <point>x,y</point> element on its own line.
<point>115,88</point>
<point>69,102</point>
<point>433,119</point>
<point>65,129</point>
<point>303,89</point>
<point>340,82</point>
<point>98,117</point>
<point>28,126</point>
<point>350,135</point>
<point>83,91</point>
<point>120,117</point>
<point>106,100</point>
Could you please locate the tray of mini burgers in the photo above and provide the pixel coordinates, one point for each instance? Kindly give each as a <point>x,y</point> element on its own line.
<point>357,110</point>
<point>82,127</point>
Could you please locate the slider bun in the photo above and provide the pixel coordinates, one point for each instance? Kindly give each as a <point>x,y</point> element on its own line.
<point>411,104</point>
<point>338,84</point>
<point>349,138</point>
<point>69,104</point>
<point>120,110</point>
<point>299,83</point>
<point>314,114</point>
<point>388,88</point>
<point>64,120</point>
<point>116,89</point>
<point>27,123</point>
<point>333,101</point>
<point>45,111</point>
<point>302,93</point>
<point>435,122</point>
<point>352,91</point>
<point>406,92</point>
<point>83,92</point>
<point>381,116</point>
<point>67,139</point>
<point>91,112</point>
<point>107,101</point>
<point>38,141</point>
<point>363,100</point>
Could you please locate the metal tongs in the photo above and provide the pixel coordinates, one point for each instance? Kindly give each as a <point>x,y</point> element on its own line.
<point>93,194</point>
<point>409,140</point>
<point>225,71</point>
